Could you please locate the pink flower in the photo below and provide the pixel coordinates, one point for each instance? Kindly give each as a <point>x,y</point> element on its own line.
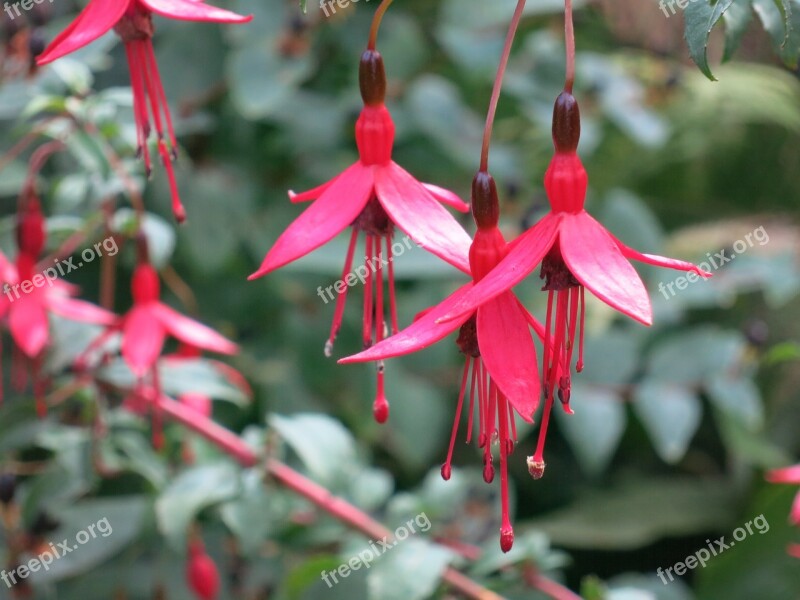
<point>132,20</point>
<point>789,475</point>
<point>31,295</point>
<point>497,343</point>
<point>576,253</point>
<point>372,197</point>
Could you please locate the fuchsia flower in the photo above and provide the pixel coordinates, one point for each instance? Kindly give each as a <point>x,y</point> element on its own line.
<point>145,328</point>
<point>201,572</point>
<point>31,295</point>
<point>132,20</point>
<point>373,196</point>
<point>496,341</point>
<point>790,475</point>
<point>576,253</point>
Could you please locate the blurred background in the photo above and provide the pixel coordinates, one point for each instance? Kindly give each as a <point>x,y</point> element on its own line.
<point>674,425</point>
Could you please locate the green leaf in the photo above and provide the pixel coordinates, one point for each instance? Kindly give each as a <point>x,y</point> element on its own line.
<point>190,493</point>
<point>700,17</point>
<point>594,431</point>
<point>671,415</point>
<point>391,575</point>
<point>326,448</point>
<point>776,17</point>
<point>737,19</point>
<point>245,516</point>
<point>739,397</point>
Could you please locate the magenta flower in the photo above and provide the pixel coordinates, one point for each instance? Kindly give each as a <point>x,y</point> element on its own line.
<point>497,344</point>
<point>372,197</point>
<point>790,475</point>
<point>576,253</point>
<point>132,20</point>
<point>32,294</point>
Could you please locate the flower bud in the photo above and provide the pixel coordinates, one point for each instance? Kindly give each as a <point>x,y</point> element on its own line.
<point>566,123</point>
<point>201,573</point>
<point>485,204</point>
<point>372,78</point>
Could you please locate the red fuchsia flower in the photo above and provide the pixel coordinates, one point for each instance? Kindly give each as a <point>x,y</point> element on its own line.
<point>31,295</point>
<point>498,347</point>
<point>201,572</point>
<point>145,328</point>
<point>372,197</point>
<point>790,475</point>
<point>576,253</point>
<point>132,20</point>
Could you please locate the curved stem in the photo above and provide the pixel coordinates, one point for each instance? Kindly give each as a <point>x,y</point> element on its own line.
<point>498,83</point>
<point>37,161</point>
<point>376,23</point>
<point>569,39</point>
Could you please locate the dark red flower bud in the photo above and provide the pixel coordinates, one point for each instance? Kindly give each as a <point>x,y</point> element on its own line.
<point>372,78</point>
<point>566,123</point>
<point>31,235</point>
<point>201,573</point>
<point>485,203</point>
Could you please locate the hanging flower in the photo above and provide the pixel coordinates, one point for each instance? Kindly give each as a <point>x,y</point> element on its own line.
<point>576,253</point>
<point>372,197</point>
<point>31,294</point>
<point>132,20</point>
<point>201,572</point>
<point>499,350</point>
<point>790,475</point>
<point>145,328</point>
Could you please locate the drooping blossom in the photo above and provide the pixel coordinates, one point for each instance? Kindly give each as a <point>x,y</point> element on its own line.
<point>201,572</point>
<point>145,328</point>
<point>31,294</point>
<point>790,475</point>
<point>372,197</point>
<point>499,350</point>
<point>575,253</point>
<point>132,20</point>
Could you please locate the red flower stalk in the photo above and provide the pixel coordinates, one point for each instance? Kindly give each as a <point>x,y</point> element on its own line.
<point>132,20</point>
<point>497,344</point>
<point>145,328</point>
<point>372,197</point>
<point>201,572</point>
<point>576,253</point>
<point>790,475</point>
<point>31,294</point>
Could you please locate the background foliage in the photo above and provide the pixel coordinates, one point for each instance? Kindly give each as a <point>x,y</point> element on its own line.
<point>674,425</point>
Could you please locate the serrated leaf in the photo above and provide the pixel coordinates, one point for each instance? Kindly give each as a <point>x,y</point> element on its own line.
<point>701,16</point>
<point>737,18</point>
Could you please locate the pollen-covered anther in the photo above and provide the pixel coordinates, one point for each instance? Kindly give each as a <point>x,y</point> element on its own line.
<point>488,469</point>
<point>447,471</point>
<point>506,539</point>
<point>536,467</point>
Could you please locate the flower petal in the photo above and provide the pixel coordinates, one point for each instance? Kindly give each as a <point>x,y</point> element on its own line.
<point>416,211</point>
<point>142,339</point>
<point>596,261</point>
<point>29,326</point>
<point>79,310</point>
<point>659,261</point>
<point>521,260</point>
<point>186,10</point>
<point>335,210</point>
<point>191,332</point>
<point>311,194</point>
<point>508,352</point>
<point>785,475</point>
<point>447,197</point>
<point>420,334</point>
<point>98,18</point>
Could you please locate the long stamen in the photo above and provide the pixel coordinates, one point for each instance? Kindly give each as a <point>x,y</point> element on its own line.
<point>341,299</point>
<point>392,295</point>
<point>482,424</point>
<point>139,103</point>
<point>558,342</point>
<point>475,364</point>
<point>368,309</point>
<point>547,342</point>
<point>150,91</point>
<point>536,462</point>
<point>177,207</point>
<point>491,399</point>
<point>446,468</point>
<point>579,366</point>
<point>161,96</point>
<point>506,530</point>
<point>380,408</point>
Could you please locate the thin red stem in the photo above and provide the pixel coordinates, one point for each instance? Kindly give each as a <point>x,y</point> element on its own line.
<point>376,23</point>
<point>569,39</point>
<point>498,84</point>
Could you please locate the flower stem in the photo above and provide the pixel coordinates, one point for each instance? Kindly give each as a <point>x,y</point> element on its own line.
<point>498,83</point>
<point>376,23</point>
<point>569,39</point>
